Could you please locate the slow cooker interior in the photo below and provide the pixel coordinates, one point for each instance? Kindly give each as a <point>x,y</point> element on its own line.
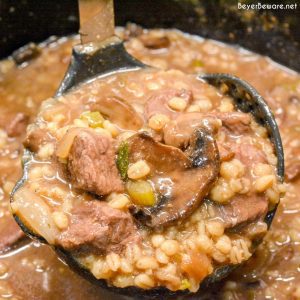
<point>273,32</point>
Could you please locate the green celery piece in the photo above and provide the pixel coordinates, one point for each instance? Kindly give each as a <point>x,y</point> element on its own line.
<point>123,159</point>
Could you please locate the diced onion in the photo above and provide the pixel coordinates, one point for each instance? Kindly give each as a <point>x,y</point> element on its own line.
<point>66,142</point>
<point>94,118</point>
<point>35,214</point>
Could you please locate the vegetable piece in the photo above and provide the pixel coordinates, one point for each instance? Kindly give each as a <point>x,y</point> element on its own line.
<point>141,192</point>
<point>65,144</point>
<point>185,284</point>
<point>34,213</point>
<point>94,118</point>
<point>123,159</point>
<point>196,265</point>
<point>197,63</point>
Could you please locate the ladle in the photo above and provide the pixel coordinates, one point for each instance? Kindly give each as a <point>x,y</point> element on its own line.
<point>102,54</point>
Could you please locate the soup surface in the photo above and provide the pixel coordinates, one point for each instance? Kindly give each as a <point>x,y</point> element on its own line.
<point>273,272</point>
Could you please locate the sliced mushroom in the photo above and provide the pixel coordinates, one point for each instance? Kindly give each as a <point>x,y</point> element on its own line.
<point>181,179</point>
<point>118,111</point>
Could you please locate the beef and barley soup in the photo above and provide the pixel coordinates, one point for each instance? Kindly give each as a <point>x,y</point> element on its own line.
<point>170,139</point>
<point>147,184</point>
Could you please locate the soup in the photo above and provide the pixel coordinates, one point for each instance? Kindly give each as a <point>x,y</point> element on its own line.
<point>141,181</point>
<point>163,50</point>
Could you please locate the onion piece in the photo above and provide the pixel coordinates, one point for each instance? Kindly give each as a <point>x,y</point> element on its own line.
<point>35,214</point>
<point>65,144</point>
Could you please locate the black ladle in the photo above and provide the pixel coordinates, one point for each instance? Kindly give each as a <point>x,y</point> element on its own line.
<point>101,52</point>
<point>91,61</point>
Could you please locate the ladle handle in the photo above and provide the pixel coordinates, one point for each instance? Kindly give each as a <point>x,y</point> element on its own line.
<point>97,21</point>
<point>100,52</point>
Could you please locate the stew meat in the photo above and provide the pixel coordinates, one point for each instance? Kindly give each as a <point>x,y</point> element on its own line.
<point>91,164</point>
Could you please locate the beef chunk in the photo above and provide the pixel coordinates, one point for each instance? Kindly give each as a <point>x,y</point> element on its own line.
<point>291,144</point>
<point>26,53</point>
<point>249,154</point>
<point>236,122</point>
<point>292,170</point>
<point>155,42</point>
<point>179,129</point>
<point>14,123</point>
<point>132,30</point>
<point>243,209</point>
<point>96,227</point>
<point>10,234</point>
<point>17,125</point>
<point>91,164</point>
<point>36,137</point>
<point>177,132</point>
<point>158,102</point>
<point>225,152</point>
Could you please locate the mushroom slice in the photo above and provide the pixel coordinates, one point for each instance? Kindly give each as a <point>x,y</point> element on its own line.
<point>118,111</point>
<point>181,179</point>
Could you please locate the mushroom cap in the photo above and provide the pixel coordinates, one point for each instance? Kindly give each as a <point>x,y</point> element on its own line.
<point>181,178</point>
